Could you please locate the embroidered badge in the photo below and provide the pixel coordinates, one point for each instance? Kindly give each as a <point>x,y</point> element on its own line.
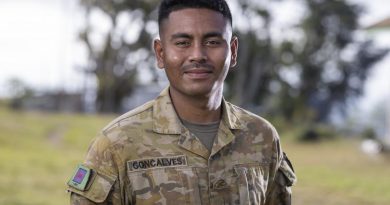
<point>158,162</point>
<point>80,178</point>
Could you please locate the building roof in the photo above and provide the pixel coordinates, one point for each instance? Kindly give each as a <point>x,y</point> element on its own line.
<point>385,23</point>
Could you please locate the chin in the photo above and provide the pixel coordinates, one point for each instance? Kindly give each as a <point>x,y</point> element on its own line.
<point>199,91</point>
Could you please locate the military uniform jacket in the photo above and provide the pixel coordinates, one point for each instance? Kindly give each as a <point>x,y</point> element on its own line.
<point>147,156</point>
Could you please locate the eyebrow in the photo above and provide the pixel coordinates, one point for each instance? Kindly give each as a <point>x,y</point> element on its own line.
<point>186,35</point>
<point>180,35</point>
<point>213,34</point>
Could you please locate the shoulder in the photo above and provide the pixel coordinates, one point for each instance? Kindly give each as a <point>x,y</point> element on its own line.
<point>248,117</point>
<point>255,133</point>
<point>251,121</point>
<point>105,148</point>
<point>138,118</point>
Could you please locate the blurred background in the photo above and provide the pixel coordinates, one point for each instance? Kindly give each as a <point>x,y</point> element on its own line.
<point>317,69</point>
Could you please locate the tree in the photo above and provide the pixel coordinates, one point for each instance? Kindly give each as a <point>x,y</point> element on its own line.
<point>303,79</point>
<point>309,77</point>
<point>18,91</point>
<point>249,83</point>
<point>120,50</point>
<point>332,65</point>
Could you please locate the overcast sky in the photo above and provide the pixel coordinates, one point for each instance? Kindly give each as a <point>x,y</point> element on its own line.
<point>38,43</point>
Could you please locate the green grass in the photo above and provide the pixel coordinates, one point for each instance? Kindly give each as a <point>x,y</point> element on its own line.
<point>39,151</point>
<point>338,173</point>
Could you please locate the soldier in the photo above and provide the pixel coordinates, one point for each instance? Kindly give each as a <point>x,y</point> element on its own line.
<point>189,145</point>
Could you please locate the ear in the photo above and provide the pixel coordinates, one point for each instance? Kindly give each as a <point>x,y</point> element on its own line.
<point>234,51</point>
<point>159,52</point>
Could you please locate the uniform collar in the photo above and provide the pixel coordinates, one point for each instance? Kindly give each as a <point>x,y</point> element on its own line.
<point>166,121</point>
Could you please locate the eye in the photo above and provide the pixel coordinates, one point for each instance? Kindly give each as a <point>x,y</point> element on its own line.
<point>213,42</point>
<point>182,43</point>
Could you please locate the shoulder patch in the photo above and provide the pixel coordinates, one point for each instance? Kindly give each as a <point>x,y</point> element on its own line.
<point>158,162</point>
<point>80,178</point>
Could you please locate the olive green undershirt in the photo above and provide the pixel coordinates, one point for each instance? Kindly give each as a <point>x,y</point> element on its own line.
<point>206,133</point>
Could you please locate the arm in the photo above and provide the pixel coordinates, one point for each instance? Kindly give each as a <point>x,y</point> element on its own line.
<point>76,199</point>
<point>96,180</point>
<point>280,189</point>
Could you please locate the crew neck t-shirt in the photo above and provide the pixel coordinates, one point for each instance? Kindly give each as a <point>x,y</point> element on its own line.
<point>204,132</point>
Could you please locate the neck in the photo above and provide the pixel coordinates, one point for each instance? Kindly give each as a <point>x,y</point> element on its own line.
<point>197,109</point>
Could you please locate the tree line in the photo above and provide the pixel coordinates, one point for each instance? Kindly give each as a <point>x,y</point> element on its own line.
<point>303,78</point>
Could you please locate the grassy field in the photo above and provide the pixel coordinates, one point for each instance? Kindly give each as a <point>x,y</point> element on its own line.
<point>38,152</point>
<point>338,173</point>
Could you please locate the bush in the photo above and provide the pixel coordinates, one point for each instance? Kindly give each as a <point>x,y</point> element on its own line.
<point>317,132</point>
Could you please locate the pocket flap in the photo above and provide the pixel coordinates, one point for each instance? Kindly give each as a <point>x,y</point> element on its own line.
<point>99,187</point>
<point>288,171</point>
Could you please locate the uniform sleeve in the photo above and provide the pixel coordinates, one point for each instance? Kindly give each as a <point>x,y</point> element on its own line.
<point>280,189</point>
<point>76,199</point>
<point>100,185</point>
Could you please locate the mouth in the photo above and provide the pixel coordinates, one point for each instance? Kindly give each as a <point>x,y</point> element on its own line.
<point>198,73</point>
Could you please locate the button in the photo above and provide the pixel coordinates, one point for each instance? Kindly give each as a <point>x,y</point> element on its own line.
<point>220,184</point>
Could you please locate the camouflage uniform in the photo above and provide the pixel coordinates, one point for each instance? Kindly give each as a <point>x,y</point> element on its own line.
<point>146,156</point>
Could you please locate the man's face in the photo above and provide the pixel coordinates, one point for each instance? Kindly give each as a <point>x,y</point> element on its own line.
<point>196,50</point>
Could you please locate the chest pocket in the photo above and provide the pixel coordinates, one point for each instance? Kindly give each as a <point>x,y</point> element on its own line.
<point>170,185</point>
<point>251,181</point>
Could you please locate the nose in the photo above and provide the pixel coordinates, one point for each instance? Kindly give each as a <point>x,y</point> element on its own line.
<point>198,54</point>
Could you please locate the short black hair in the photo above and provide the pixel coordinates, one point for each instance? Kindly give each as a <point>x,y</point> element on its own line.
<point>168,6</point>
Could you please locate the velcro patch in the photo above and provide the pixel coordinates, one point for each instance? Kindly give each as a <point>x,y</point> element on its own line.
<point>80,178</point>
<point>158,162</point>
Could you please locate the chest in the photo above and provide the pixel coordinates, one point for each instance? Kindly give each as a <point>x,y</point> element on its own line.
<point>161,171</point>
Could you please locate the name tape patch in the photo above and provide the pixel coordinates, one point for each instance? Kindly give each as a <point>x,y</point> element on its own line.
<point>159,162</point>
<point>80,178</point>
